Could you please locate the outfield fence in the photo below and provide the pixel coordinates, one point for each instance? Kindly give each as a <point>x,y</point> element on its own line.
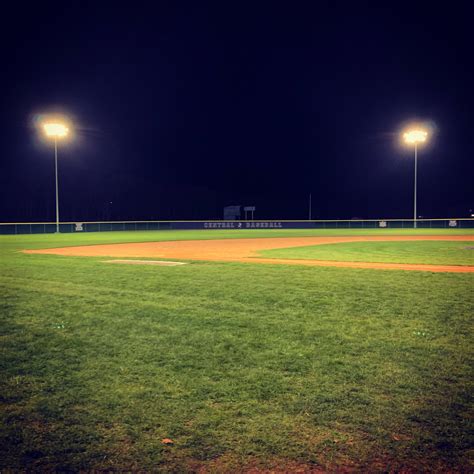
<point>108,226</point>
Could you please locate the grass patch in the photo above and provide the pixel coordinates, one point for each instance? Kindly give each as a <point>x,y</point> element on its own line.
<point>240,365</point>
<point>427,252</point>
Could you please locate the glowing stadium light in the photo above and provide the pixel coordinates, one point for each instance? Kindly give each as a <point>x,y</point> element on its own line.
<point>415,136</point>
<point>55,130</point>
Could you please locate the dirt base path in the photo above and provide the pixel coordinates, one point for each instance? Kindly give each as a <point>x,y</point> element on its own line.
<point>245,250</point>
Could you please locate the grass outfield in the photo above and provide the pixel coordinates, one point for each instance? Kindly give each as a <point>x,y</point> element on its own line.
<point>242,366</point>
<point>426,252</point>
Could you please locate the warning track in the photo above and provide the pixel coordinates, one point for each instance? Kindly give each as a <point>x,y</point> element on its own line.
<point>246,250</point>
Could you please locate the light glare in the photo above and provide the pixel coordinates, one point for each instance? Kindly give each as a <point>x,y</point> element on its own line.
<point>55,130</point>
<point>415,136</point>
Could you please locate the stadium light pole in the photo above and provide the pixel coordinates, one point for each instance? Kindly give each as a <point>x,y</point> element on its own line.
<point>414,137</point>
<point>56,131</point>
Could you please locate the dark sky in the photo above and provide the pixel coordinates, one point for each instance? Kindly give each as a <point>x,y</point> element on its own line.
<point>181,108</point>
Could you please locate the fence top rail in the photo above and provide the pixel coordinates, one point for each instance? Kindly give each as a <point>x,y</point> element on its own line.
<point>241,220</point>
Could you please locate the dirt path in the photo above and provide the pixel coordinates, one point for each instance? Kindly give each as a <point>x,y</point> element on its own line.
<point>246,250</point>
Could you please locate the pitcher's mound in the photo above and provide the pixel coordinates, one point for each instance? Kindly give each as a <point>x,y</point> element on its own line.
<point>163,263</point>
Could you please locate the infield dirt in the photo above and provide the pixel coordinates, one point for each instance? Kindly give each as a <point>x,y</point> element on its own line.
<point>246,251</point>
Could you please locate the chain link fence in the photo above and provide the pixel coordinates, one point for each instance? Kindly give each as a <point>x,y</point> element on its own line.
<point>10,228</point>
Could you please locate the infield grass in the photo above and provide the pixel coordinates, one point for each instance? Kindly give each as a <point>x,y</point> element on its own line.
<point>426,252</point>
<point>241,365</point>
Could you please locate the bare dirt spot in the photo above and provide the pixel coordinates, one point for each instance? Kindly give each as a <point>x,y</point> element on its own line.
<point>246,251</point>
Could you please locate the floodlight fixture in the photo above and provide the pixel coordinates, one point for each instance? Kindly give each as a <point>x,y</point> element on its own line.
<point>415,136</point>
<point>55,130</point>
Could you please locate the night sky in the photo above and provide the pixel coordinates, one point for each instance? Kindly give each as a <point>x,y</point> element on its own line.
<point>181,108</point>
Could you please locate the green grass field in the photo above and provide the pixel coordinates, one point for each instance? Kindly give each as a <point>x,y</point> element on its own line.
<point>435,252</point>
<point>243,366</point>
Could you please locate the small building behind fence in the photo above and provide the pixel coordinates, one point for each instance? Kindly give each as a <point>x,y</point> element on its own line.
<point>232,213</point>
